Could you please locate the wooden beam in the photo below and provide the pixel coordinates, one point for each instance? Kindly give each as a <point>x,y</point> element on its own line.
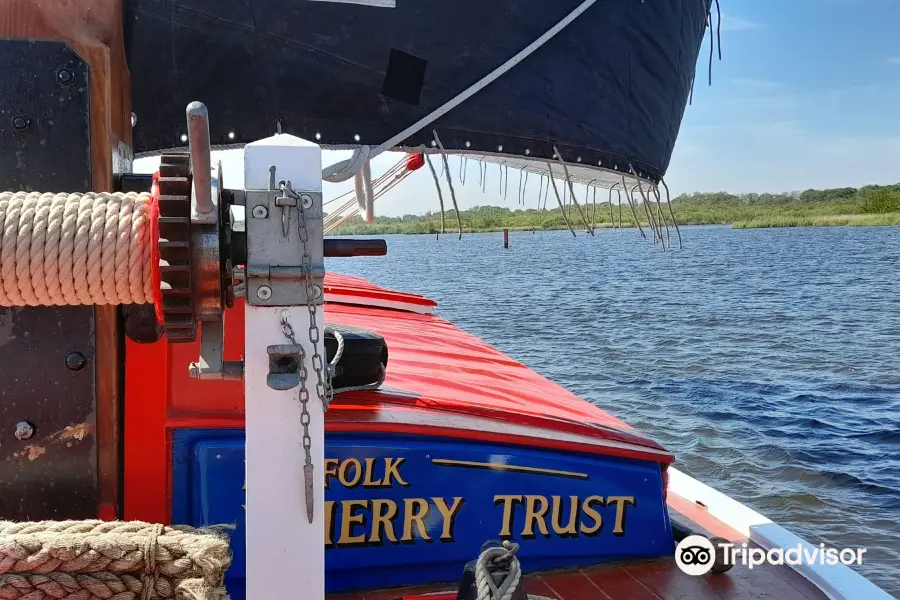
<point>93,28</point>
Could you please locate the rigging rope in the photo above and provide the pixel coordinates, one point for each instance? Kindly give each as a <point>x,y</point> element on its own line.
<point>559,157</point>
<point>558,200</point>
<point>437,186</point>
<point>631,206</point>
<point>341,214</point>
<point>440,145</point>
<point>75,249</point>
<point>672,212</point>
<point>657,232</point>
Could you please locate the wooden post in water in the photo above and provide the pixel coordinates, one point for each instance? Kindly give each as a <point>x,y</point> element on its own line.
<point>506,238</point>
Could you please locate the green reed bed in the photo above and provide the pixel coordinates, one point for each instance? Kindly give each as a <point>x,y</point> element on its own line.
<point>870,205</point>
<point>820,221</point>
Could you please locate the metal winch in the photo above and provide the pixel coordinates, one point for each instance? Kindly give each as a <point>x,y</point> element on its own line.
<point>215,244</point>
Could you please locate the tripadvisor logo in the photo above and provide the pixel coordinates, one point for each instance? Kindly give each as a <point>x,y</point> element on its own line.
<point>696,555</point>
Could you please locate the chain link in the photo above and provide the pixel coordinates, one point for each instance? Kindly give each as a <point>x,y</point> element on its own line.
<point>305,417</point>
<point>323,380</point>
<point>286,328</point>
<point>323,387</point>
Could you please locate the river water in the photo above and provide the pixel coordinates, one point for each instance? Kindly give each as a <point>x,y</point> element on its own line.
<point>767,361</point>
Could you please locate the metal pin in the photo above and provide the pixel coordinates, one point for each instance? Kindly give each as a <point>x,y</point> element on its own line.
<point>310,491</point>
<point>198,141</point>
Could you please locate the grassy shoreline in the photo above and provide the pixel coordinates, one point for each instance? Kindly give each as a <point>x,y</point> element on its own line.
<point>867,206</point>
<point>775,221</point>
<point>879,220</point>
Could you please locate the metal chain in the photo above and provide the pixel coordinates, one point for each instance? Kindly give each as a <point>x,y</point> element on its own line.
<point>305,418</point>
<point>312,293</point>
<point>323,391</point>
<point>323,380</point>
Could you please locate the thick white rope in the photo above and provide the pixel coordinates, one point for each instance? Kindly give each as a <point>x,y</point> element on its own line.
<point>74,249</point>
<point>484,583</point>
<point>385,183</point>
<point>344,170</point>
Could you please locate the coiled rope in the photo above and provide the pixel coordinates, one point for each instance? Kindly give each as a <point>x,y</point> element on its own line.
<point>74,249</point>
<point>83,560</point>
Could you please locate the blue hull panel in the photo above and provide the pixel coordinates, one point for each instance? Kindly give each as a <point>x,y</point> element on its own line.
<point>413,510</point>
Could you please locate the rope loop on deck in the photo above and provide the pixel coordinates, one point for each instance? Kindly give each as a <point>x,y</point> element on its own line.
<point>150,576</point>
<point>499,556</point>
<point>75,249</point>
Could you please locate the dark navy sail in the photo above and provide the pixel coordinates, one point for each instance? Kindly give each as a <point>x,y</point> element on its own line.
<point>609,89</point>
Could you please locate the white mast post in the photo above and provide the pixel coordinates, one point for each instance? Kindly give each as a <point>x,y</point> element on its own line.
<point>285,551</point>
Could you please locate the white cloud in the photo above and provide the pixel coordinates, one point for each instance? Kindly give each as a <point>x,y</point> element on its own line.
<point>732,23</point>
<point>893,60</point>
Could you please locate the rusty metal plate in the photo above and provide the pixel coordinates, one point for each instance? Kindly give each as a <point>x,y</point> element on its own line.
<point>48,452</point>
<point>47,360</point>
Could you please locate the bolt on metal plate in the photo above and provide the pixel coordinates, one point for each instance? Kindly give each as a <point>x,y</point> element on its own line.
<point>75,361</point>
<point>24,430</point>
<point>264,292</point>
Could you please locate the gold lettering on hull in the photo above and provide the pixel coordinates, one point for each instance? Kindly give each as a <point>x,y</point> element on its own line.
<point>372,473</point>
<point>583,517</point>
<point>570,529</point>
<point>383,511</point>
<point>350,520</point>
<point>417,510</point>
<point>449,515</point>
<point>379,521</point>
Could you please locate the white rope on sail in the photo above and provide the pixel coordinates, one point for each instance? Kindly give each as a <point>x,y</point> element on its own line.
<point>378,3</point>
<point>344,170</point>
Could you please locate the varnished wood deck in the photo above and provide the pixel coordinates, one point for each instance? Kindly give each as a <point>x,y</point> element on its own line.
<point>658,579</point>
<point>653,579</point>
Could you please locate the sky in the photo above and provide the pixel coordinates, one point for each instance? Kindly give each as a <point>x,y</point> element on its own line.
<point>807,95</point>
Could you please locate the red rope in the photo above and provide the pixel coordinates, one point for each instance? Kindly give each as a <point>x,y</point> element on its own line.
<point>154,248</point>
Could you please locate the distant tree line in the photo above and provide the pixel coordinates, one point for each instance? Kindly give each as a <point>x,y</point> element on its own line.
<point>690,209</point>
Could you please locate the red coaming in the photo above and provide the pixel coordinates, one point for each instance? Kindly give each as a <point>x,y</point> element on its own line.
<point>348,286</point>
<point>440,381</point>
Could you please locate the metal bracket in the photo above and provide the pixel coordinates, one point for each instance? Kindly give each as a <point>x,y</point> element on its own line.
<point>284,366</point>
<point>274,275</point>
<point>211,364</point>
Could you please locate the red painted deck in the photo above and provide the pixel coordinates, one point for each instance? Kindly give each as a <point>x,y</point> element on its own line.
<point>658,579</point>
<point>444,370</point>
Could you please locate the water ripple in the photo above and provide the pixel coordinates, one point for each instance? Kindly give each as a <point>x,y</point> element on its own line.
<point>766,360</point>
